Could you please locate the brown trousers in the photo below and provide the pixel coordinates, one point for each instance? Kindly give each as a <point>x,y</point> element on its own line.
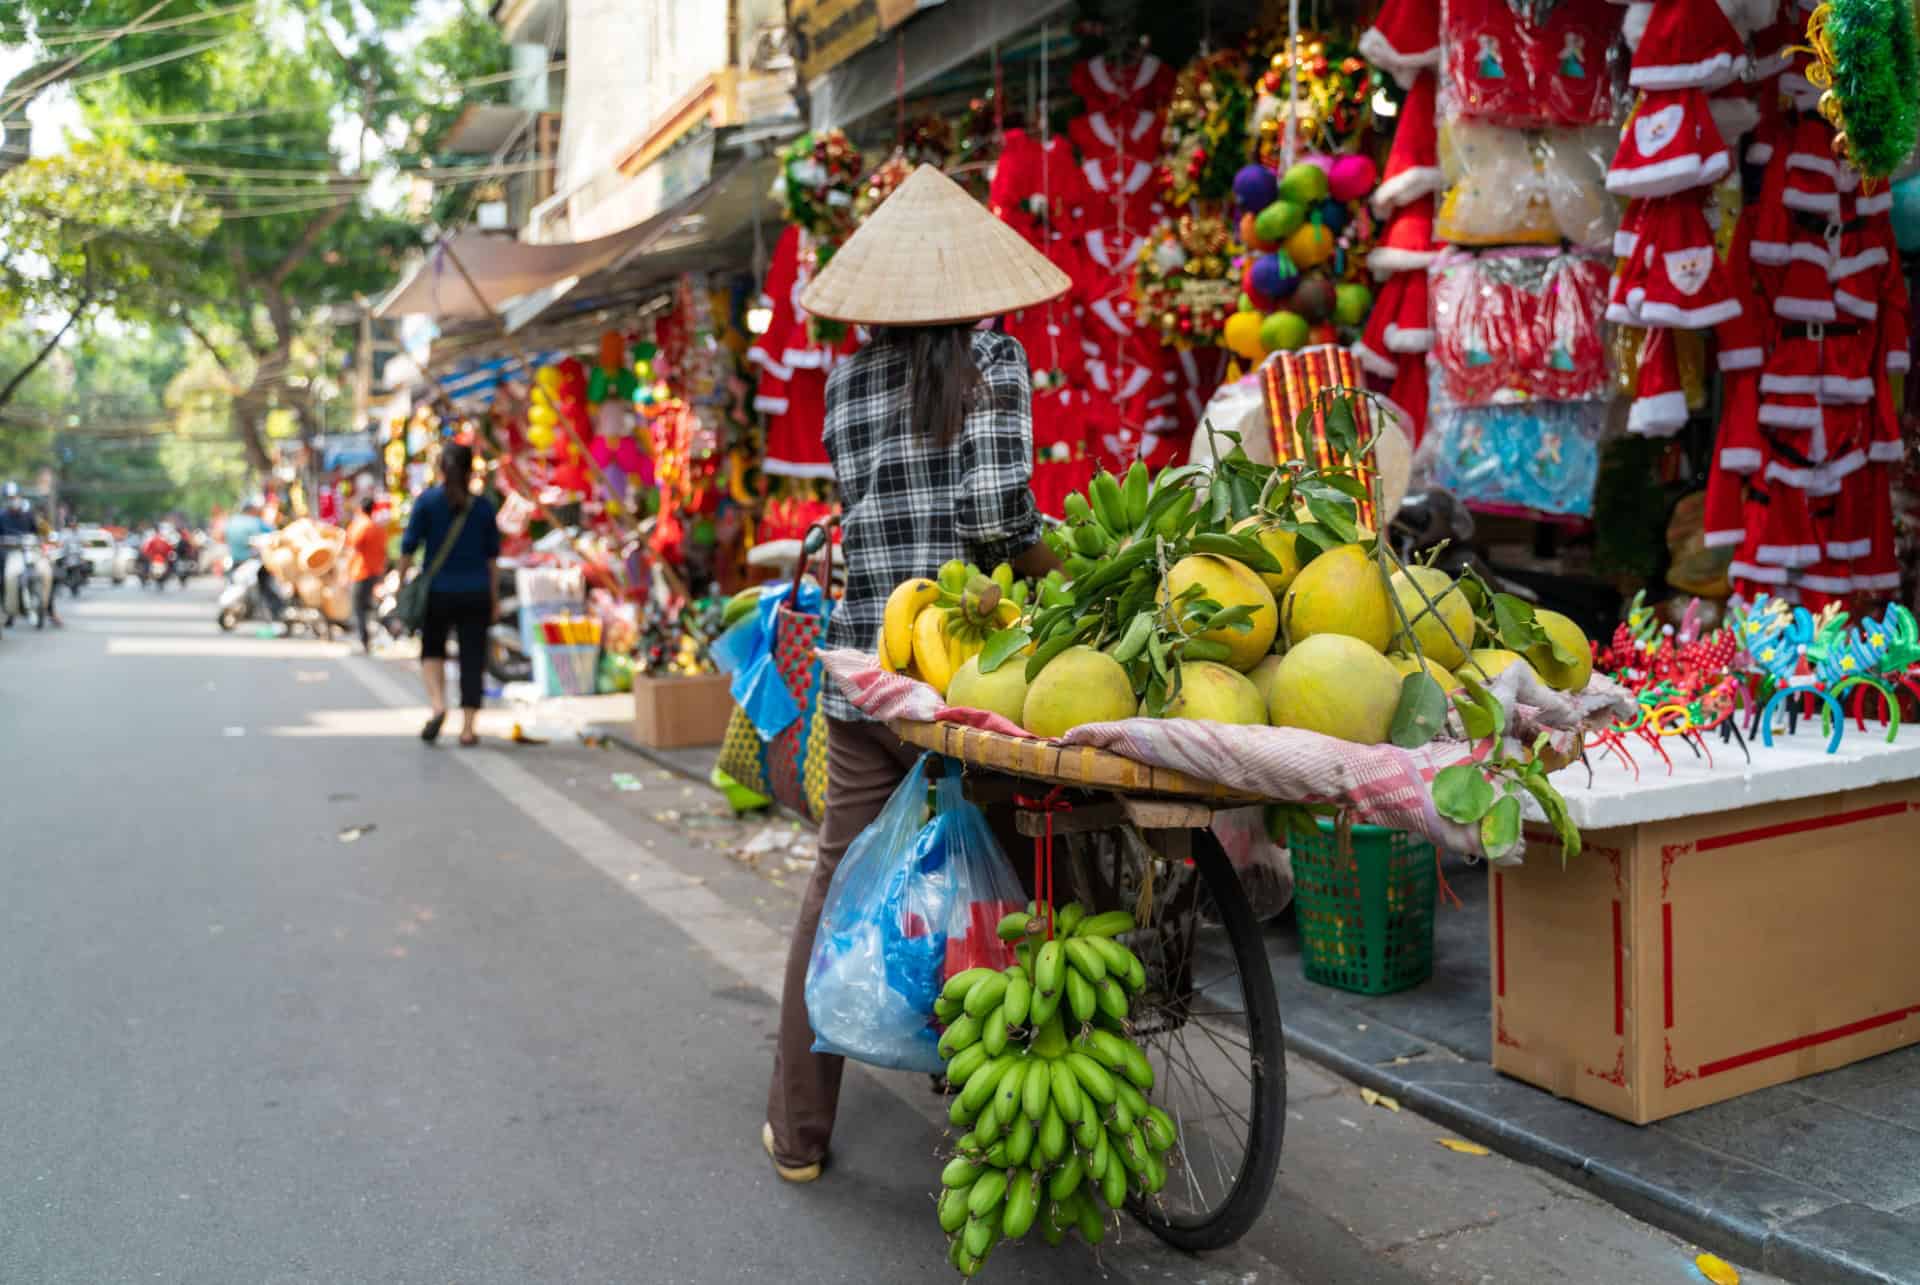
<point>865,764</point>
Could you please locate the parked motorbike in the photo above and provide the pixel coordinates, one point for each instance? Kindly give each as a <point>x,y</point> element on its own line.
<point>507,658</point>
<point>72,570</point>
<point>184,567</point>
<point>240,599</point>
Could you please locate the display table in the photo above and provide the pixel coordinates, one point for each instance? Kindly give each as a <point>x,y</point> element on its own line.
<point>1725,928</point>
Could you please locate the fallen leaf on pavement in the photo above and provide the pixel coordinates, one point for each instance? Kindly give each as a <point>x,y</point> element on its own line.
<point>626,782</point>
<point>353,832</point>
<point>1464,1148</point>
<point>1373,1099</point>
<point>1718,1270</point>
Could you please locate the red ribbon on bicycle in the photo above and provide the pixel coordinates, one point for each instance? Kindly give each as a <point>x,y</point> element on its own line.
<point>1043,846</point>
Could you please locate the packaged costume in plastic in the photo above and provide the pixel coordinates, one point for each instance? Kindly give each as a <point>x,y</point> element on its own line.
<point>1504,68</point>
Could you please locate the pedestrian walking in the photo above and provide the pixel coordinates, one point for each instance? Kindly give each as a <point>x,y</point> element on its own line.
<point>458,530</point>
<point>366,563</point>
<point>930,431</point>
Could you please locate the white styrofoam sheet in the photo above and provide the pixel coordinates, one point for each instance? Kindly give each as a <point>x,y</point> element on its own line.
<point>1794,767</point>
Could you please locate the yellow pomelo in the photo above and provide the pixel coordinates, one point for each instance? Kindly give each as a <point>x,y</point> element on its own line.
<point>1261,676</point>
<point>1080,685</point>
<point>1428,627</point>
<point>1003,692</point>
<point>1484,664</point>
<point>1340,592</point>
<point>1281,545</point>
<point>1337,686</point>
<point>1230,584</point>
<point>1217,693</point>
<point>1439,674</point>
<point>1566,678</point>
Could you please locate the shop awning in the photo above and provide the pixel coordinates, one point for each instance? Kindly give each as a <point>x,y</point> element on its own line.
<point>501,268</point>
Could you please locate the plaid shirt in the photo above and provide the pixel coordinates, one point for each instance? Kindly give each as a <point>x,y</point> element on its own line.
<point>909,506</point>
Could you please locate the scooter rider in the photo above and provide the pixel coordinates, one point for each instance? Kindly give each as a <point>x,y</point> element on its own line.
<point>19,544</point>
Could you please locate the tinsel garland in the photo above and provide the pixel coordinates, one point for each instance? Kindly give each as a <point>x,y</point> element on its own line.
<point>1868,62</point>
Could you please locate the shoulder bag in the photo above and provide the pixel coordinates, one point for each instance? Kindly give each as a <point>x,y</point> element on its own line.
<point>410,604</point>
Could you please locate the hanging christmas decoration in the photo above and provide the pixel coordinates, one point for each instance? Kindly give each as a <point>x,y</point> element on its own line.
<point>1205,140</point>
<point>1183,279</point>
<point>1867,64</point>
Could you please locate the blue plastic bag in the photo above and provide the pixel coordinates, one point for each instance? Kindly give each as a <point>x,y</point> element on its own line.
<point>902,914</point>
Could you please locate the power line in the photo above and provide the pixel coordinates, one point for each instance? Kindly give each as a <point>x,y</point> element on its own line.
<point>26,92</point>
<point>51,36</point>
<point>213,118</point>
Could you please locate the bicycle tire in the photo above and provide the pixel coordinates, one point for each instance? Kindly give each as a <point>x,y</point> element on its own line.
<point>1231,1218</point>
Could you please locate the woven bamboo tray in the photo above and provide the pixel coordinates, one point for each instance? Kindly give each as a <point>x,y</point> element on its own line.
<point>1077,765</point>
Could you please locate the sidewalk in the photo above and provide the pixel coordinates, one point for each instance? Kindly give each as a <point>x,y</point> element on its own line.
<point>1817,1179</point>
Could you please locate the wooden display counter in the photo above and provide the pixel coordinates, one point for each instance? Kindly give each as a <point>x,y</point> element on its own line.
<point>1725,928</point>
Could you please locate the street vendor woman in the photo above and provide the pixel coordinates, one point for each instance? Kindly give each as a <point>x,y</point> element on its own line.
<point>930,430</point>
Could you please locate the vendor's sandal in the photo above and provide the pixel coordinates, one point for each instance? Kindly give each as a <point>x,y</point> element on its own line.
<point>430,731</point>
<point>469,739</point>
<point>791,1173</point>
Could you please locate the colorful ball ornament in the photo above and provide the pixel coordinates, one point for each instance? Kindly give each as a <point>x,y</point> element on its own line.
<point>1255,186</point>
<point>1304,184</point>
<point>548,377</point>
<point>1310,245</point>
<point>1243,336</point>
<point>1283,332</point>
<point>1251,238</point>
<point>1271,277</point>
<point>1351,301</point>
<point>1277,220</point>
<point>542,414</point>
<point>1334,215</point>
<point>1351,177</point>
<point>1314,299</point>
<point>540,436</point>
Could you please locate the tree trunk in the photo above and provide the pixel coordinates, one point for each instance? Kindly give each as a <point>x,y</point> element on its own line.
<point>20,376</point>
<point>247,412</point>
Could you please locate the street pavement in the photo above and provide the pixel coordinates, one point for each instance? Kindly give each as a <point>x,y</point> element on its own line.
<point>287,996</point>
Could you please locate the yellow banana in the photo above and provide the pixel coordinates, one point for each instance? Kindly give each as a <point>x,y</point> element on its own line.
<point>930,649</point>
<point>904,605</point>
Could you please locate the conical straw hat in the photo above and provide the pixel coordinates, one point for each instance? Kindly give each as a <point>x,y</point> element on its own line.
<point>931,255</point>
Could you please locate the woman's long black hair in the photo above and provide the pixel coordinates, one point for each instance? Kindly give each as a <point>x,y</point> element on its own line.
<point>943,377</point>
<point>456,466</point>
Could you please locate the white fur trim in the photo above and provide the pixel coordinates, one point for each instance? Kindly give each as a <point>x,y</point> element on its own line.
<point>1741,358</point>
<point>1899,361</point>
<point>1774,415</point>
<point>1735,117</point>
<point>1740,459</point>
<point>1827,203</point>
<point>1404,65</point>
<point>1805,385</point>
<point>1408,341</point>
<point>789,468</point>
<point>1829,584</point>
<point>1660,178</point>
<point>1661,415</point>
<point>1886,452</point>
<point>1815,162</point>
<point>1752,571</point>
<point>1788,555</point>
<point>1877,580</point>
<point>1385,260</point>
<point>1656,313</point>
<point>1634,24</point>
<point>1622,314</point>
<point>1722,539</point>
<point>1853,305</point>
<point>770,405</point>
<point>1759,153</point>
<point>1848,264</point>
<point>1407,186</point>
<point>1374,363</point>
<point>1804,309</point>
<point>1848,550</point>
<point>1625,242</point>
<point>1709,73</point>
<point>1838,390</point>
<point>1878,203</point>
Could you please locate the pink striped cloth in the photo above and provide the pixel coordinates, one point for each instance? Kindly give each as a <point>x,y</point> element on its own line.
<point>1379,784</point>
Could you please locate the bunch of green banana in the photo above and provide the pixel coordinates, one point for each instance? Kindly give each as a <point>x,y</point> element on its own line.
<point>1050,1089</point>
<point>1117,515</point>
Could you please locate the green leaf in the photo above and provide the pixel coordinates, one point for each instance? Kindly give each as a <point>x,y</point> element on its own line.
<point>1421,713</point>
<point>1337,516</point>
<point>1478,722</point>
<point>1002,646</point>
<point>1343,433</point>
<point>1555,807</point>
<point>1245,493</point>
<point>1461,793</point>
<point>1239,619</point>
<point>1219,502</point>
<point>1347,484</point>
<point>1513,619</point>
<point>1486,702</point>
<point>1500,828</point>
<point>1318,535</point>
<point>1156,702</point>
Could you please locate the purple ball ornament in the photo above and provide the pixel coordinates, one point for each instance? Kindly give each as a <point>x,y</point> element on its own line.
<point>1272,278</point>
<point>1255,187</point>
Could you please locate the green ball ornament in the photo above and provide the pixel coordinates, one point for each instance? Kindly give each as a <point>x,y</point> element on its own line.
<point>1305,184</point>
<point>1351,302</point>
<point>1283,331</point>
<point>1277,222</point>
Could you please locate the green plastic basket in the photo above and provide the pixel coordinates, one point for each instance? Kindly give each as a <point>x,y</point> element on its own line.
<point>1366,921</point>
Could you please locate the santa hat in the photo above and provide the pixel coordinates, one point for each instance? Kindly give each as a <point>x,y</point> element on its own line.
<point>1669,145</point>
<point>1407,245</point>
<point>1687,44</point>
<point>1413,163</point>
<point>1404,39</point>
<point>1659,399</point>
<point>1674,278</point>
<point>1735,111</point>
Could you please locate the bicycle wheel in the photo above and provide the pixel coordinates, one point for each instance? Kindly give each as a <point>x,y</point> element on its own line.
<point>1209,1022</point>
